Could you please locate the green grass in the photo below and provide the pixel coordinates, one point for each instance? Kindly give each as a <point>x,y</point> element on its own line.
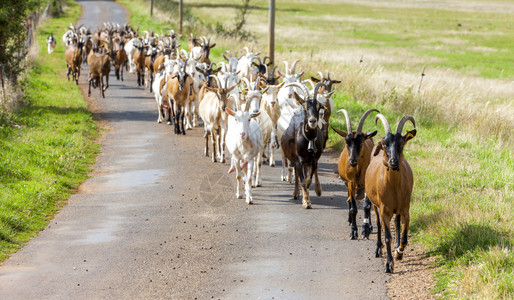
<point>46,145</point>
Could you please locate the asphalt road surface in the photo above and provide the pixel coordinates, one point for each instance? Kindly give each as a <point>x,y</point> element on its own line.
<point>158,220</point>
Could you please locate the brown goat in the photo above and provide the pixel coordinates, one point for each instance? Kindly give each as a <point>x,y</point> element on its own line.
<point>139,59</point>
<point>352,165</point>
<point>120,59</point>
<point>389,183</point>
<point>73,57</point>
<point>99,66</point>
<point>178,89</point>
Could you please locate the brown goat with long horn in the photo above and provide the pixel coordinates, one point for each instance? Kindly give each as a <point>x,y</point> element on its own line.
<point>388,184</point>
<point>352,165</point>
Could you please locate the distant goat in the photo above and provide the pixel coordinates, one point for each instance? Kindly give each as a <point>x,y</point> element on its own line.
<point>51,42</point>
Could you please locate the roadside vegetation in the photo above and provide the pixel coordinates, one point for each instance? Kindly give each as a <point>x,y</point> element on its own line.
<point>46,141</point>
<point>462,157</point>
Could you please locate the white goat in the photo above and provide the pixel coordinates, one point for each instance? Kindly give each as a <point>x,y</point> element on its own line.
<point>130,49</point>
<point>270,104</point>
<point>244,141</point>
<point>244,64</point>
<point>286,94</point>
<point>51,42</point>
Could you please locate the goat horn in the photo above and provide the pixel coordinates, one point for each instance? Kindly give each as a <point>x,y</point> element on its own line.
<point>316,90</point>
<point>403,121</point>
<point>226,82</point>
<point>348,122</point>
<point>328,75</point>
<point>229,54</point>
<point>300,86</point>
<point>274,69</point>
<point>246,82</point>
<point>363,118</point>
<point>293,67</point>
<point>247,51</point>
<point>384,122</point>
<point>287,67</point>
<point>320,75</point>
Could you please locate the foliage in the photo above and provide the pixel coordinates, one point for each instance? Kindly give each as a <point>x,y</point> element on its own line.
<point>46,145</point>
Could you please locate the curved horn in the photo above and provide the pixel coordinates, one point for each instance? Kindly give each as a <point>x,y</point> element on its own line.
<point>316,90</point>
<point>384,122</point>
<point>273,71</point>
<point>320,75</point>
<point>328,75</point>
<point>226,82</point>
<point>229,54</point>
<point>403,121</point>
<point>246,82</point>
<point>293,67</point>
<point>287,67</point>
<point>348,122</point>
<point>363,118</point>
<point>300,86</point>
<point>247,51</point>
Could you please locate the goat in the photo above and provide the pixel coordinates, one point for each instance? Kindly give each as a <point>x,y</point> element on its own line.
<point>99,67</point>
<point>301,141</point>
<point>73,56</point>
<point>120,59</point>
<point>232,61</point>
<point>352,165</point>
<point>193,42</point>
<point>212,111</point>
<point>388,184</point>
<point>178,88</point>
<point>139,60</point>
<point>51,42</point>
<point>206,50</point>
<point>327,87</point>
<point>245,63</point>
<point>270,105</point>
<point>285,95</point>
<point>149,66</point>
<point>244,141</point>
<point>130,49</point>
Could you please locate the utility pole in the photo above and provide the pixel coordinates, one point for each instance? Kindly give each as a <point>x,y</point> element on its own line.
<point>151,8</point>
<point>180,16</point>
<point>271,31</point>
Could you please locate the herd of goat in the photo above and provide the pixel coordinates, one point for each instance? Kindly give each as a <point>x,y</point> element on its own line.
<point>251,109</point>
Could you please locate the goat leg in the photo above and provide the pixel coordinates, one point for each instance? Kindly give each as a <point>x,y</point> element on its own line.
<point>366,223</point>
<point>388,237</point>
<point>405,229</point>
<point>378,251</point>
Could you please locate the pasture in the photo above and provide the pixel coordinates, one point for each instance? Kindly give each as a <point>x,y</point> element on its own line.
<point>462,157</point>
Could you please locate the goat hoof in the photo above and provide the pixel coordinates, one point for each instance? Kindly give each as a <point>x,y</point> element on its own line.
<point>306,205</point>
<point>354,235</point>
<point>366,231</point>
<point>249,201</point>
<point>398,254</point>
<point>378,252</point>
<point>389,268</point>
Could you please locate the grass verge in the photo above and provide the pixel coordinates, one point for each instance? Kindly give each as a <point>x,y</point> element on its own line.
<point>46,146</point>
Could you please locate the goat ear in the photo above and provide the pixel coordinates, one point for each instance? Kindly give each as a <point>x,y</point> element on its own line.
<point>213,45</point>
<point>265,89</point>
<point>281,85</point>
<point>409,135</point>
<point>330,94</point>
<point>299,75</point>
<point>255,64</point>
<point>336,81</point>
<point>371,134</point>
<point>229,111</point>
<point>339,131</point>
<point>314,79</point>
<point>256,114</point>
<point>377,149</point>
<point>280,74</point>
<point>225,57</point>
<point>212,89</point>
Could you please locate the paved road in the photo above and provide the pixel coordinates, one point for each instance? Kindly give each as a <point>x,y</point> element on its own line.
<point>158,220</point>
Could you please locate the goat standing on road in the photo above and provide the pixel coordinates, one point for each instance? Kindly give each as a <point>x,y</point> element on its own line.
<point>352,165</point>
<point>389,183</point>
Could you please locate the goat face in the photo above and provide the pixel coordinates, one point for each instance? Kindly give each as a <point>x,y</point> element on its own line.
<point>393,144</point>
<point>241,122</point>
<point>181,76</point>
<point>311,108</point>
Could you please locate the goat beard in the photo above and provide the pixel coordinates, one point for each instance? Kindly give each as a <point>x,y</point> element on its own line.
<point>243,164</point>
